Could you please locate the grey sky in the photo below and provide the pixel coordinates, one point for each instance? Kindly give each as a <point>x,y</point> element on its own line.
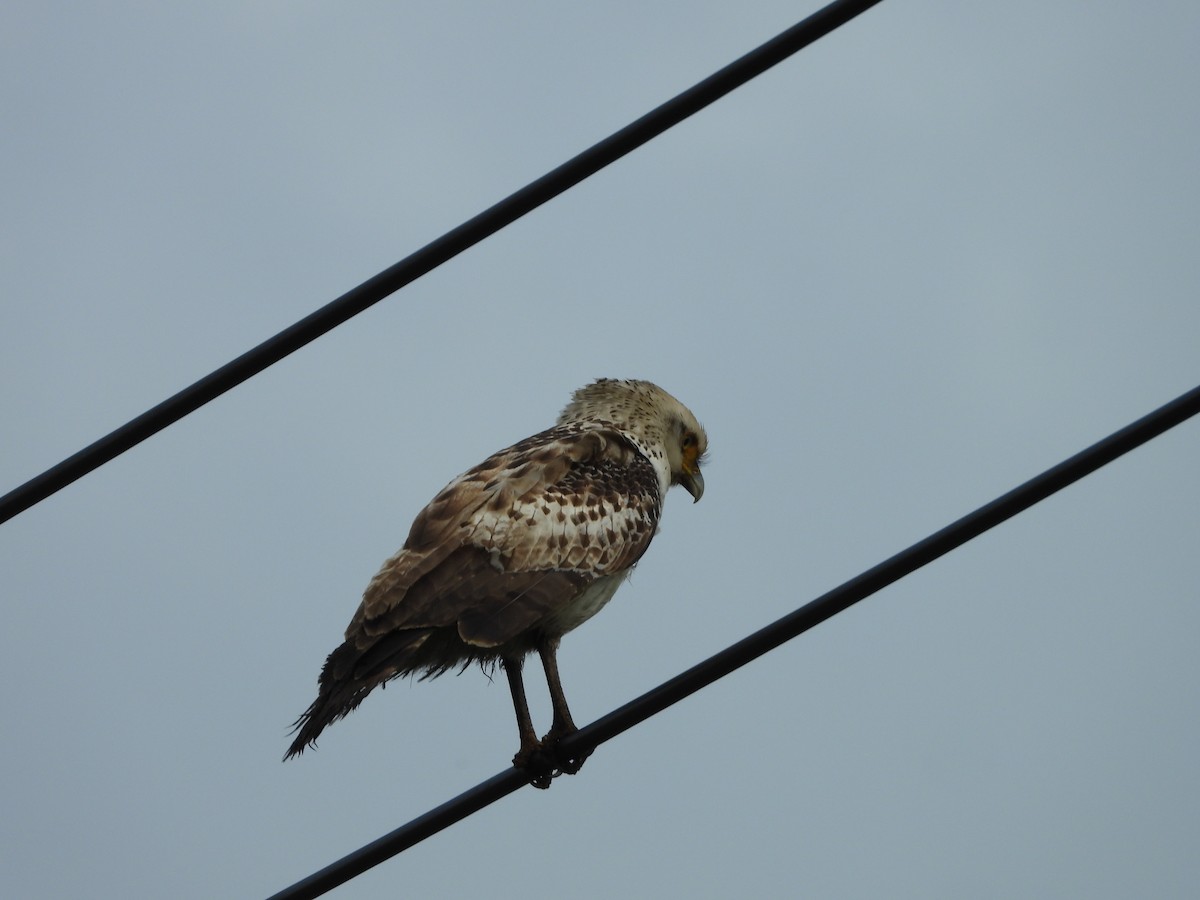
<point>935,253</point>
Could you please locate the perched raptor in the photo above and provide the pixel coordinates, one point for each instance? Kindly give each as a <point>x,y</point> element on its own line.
<point>516,552</point>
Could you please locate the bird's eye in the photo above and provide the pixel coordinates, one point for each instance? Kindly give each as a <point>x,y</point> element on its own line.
<point>689,440</point>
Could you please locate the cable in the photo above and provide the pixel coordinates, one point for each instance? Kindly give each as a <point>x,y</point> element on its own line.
<point>766,639</point>
<point>432,255</point>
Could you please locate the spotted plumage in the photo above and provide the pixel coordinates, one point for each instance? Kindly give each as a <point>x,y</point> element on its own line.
<point>516,552</point>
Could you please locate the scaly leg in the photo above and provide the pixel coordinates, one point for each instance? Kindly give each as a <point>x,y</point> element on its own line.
<point>530,756</point>
<point>563,724</point>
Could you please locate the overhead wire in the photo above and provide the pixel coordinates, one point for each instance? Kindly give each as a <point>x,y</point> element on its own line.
<point>760,642</point>
<point>433,254</point>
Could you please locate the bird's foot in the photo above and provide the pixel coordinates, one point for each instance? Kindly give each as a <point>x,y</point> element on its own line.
<point>567,765</point>
<point>536,763</point>
<point>542,762</point>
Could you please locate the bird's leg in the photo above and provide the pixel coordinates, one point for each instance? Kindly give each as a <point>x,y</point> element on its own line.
<point>530,756</point>
<point>563,724</point>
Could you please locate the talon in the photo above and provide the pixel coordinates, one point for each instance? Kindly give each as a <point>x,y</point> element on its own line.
<point>563,765</point>
<point>571,766</point>
<point>537,764</point>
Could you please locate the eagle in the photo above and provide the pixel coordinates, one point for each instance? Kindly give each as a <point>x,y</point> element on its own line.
<point>516,552</point>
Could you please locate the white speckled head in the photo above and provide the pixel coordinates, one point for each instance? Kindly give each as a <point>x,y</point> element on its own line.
<point>665,430</point>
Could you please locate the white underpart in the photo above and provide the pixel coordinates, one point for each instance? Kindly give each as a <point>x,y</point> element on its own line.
<point>589,602</point>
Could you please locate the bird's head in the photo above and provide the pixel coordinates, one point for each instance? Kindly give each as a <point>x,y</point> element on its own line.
<point>665,428</point>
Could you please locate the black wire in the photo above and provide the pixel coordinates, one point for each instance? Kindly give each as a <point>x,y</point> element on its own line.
<point>761,642</point>
<point>432,255</point>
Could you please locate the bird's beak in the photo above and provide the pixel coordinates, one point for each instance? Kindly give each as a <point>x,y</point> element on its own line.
<point>693,483</point>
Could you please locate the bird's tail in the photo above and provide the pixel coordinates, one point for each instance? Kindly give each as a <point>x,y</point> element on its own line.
<point>336,697</point>
<point>348,676</point>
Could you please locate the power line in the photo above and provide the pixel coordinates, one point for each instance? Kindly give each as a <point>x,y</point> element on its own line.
<point>433,254</point>
<point>766,639</point>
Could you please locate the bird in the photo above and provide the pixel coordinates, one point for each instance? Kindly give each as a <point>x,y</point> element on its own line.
<point>515,553</point>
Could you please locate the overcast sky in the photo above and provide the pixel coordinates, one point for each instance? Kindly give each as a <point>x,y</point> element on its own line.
<point>927,258</point>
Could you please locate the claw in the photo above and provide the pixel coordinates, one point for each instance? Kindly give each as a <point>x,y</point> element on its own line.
<point>537,764</point>
<point>563,765</point>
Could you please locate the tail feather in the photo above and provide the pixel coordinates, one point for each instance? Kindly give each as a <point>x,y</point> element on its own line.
<point>336,698</point>
<point>349,675</point>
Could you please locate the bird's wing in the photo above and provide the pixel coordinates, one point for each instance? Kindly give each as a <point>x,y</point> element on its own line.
<point>515,538</point>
